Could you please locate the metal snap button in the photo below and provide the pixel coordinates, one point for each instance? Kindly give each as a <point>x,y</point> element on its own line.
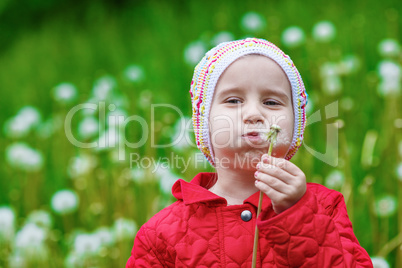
<point>246,215</point>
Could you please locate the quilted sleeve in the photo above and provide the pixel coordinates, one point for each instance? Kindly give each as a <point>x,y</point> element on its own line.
<point>143,253</point>
<point>313,233</point>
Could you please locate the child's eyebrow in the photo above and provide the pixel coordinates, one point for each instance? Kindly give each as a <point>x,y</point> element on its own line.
<point>240,90</point>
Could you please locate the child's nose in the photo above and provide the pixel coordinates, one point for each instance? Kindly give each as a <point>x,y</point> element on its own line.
<point>252,115</point>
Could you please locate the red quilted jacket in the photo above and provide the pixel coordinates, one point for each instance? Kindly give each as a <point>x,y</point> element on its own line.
<point>200,230</point>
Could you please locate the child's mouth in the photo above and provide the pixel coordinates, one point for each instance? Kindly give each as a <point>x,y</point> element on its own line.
<point>252,136</point>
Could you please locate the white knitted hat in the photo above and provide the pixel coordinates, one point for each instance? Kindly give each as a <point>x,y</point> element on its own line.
<point>211,67</point>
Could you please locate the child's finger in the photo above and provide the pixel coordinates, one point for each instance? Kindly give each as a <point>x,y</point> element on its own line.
<point>281,163</point>
<point>273,182</point>
<point>274,172</point>
<point>270,192</point>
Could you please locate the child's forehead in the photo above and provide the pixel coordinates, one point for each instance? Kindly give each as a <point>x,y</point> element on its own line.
<point>254,66</point>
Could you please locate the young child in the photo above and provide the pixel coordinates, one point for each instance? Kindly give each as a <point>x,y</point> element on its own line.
<point>239,90</point>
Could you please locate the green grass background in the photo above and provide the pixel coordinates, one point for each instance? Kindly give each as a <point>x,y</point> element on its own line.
<point>46,42</point>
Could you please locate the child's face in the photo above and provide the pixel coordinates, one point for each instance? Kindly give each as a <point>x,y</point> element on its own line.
<point>252,93</point>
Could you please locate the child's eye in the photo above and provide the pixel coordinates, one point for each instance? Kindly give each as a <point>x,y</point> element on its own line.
<point>233,101</point>
<point>271,102</point>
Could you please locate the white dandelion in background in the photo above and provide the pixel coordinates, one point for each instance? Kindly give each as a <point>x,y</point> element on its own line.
<point>105,235</point>
<point>330,80</point>
<point>182,137</point>
<point>194,52</point>
<point>389,69</point>
<point>379,262</point>
<point>65,202</point>
<point>399,171</point>
<point>332,85</point>
<point>19,155</point>
<point>385,206</point>
<point>134,73</point>
<point>88,127</point>
<point>116,117</point>
<point>30,114</point>
<point>103,87</point>
<point>347,103</point>
<point>65,93</point>
<point>310,105</point>
<point>137,174</point>
<point>389,48</point>
<point>124,229</point>
<point>253,22</point>
<point>48,127</point>
<point>17,260</point>
<point>40,218</point>
<point>87,244</point>
<point>389,73</point>
<point>165,176</point>
<point>81,165</point>
<point>335,179</point>
<point>73,260</point>
<point>145,98</point>
<point>349,64</point>
<point>110,139</point>
<point>324,31</point>
<point>329,69</point>
<point>293,37</point>
<point>7,224</point>
<point>30,241</point>
<point>23,122</point>
<point>222,37</point>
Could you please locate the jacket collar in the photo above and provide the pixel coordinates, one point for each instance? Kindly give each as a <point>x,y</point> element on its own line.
<point>196,191</point>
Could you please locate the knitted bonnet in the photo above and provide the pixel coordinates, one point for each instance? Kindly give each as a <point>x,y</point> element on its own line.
<point>211,67</point>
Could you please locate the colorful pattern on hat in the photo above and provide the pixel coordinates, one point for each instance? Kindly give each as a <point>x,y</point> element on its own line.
<point>214,63</point>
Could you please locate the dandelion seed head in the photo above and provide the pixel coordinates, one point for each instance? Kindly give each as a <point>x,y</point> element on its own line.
<point>65,202</point>
<point>81,165</point>
<point>379,262</point>
<point>385,206</point>
<point>134,73</point>
<point>124,229</point>
<point>137,174</point>
<point>181,138</point>
<point>332,85</point>
<point>87,244</point>
<point>399,171</point>
<point>166,180</point>
<point>40,218</point>
<point>349,64</point>
<point>7,224</point>
<point>105,235</point>
<point>20,155</point>
<point>324,31</point>
<point>194,52</point>
<point>347,103</point>
<point>23,122</point>
<point>222,37</point>
<point>389,48</point>
<point>293,37</point>
<point>388,69</point>
<point>88,127</point>
<point>114,117</point>
<point>30,242</point>
<point>335,179</point>
<point>103,87</point>
<point>253,22</point>
<point>65,93</point>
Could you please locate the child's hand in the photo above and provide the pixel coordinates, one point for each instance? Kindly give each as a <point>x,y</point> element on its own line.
<point>282,181</point>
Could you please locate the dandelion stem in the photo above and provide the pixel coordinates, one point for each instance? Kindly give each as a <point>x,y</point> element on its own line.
<point>390,246</point>
<point>272,135</point>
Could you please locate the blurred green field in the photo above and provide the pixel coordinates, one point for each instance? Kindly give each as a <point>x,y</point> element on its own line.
<point>62,205</point>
